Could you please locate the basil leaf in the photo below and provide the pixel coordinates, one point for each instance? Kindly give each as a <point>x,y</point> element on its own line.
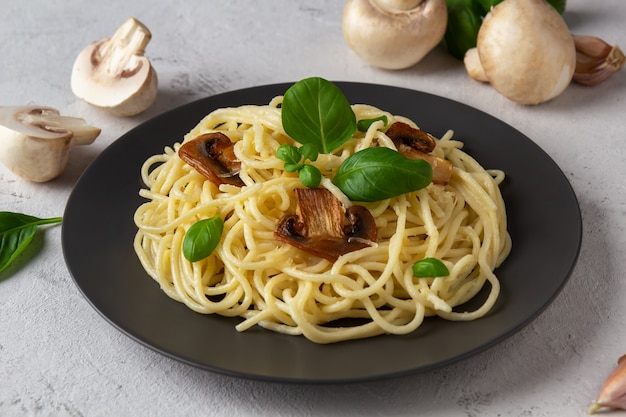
<point>288,153</point>
<point>309,151</point>
<point>364,124</point>
<point>202,238</point>
<point>315,111</point>
<point>293,167</point>
<point>430,268</point>
<point>16,233</point>
<point>374,174</point>
<point>310,176</point>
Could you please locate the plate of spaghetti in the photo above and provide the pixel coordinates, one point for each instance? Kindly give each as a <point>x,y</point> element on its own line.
<point>321,232</point>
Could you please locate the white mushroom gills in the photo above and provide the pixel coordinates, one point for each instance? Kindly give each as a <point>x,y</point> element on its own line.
<point>114,73</point>
<point>394,34</point>
<point>35,141</point>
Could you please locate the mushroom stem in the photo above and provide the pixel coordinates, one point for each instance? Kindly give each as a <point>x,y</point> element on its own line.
<point>118,54</point>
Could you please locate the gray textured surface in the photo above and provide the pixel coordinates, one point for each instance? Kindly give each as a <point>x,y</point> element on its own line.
<point>58,357</point>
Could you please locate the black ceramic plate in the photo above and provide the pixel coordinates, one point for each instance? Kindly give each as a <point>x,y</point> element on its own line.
<point>98,230</point>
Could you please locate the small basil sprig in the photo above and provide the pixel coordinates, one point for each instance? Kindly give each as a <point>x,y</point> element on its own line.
<point>316,114</point>
<point>315,111</point>
<point>430,268</point>
<point>202,238</point>
<point>16,233</point>
<point>374,174</point>
<point>295,161</point>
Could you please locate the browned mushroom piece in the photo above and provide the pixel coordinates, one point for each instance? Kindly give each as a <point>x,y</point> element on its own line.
<point>212,155</point>
<point>320,226</point>
<point>417,139</point>
<point>416,144</point>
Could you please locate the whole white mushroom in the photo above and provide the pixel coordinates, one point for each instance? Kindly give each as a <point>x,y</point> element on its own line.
<point>394,34</point>
<point>526,51</point>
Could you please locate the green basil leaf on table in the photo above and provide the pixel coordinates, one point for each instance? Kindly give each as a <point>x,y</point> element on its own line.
<point>375,174</point>
<point>16,233</point>
<point>430,268</point>
<point>202,238</point>
<point>315,111</point>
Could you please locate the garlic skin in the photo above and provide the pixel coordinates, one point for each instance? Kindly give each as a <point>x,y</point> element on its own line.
<point>35,141</point>
<point>526,51</point>
<point>596,60</point>
<point>613,393</point>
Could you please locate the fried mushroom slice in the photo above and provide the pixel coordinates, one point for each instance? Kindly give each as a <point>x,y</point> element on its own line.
<point>212,155</point>
<point>416,144</point>
<point>320,226</point>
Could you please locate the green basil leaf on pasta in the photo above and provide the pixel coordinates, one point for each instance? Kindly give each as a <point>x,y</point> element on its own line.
<point>288,153</point>
<point>16,233</point>
<point>430,268</point>
<point>309,151</point>
<point>310,176</point>
<point>315,111</point>
<point>375,174</point>
<point>202,238</point>
<point>364,124</point>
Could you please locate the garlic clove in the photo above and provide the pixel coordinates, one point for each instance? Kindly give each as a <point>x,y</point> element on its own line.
<point>613,393</point>
<point>35,141</point>
<point>596,60</point>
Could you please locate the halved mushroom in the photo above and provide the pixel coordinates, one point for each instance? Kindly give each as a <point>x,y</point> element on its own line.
<point>212,155</point>
<point>417,144</point>
<point>35,141</point>
<point>114,74</point>
<point>321,227</point>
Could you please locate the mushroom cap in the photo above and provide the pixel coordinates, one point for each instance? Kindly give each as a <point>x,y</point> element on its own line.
<point>393,39</point>
<point>526,50</point>
<point>15,119</point>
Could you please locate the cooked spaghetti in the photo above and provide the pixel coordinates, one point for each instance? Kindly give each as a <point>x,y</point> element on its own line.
<point>277,286</point>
